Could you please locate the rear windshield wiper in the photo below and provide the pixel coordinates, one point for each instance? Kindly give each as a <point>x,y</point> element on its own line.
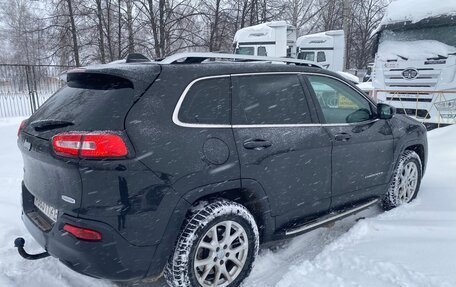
<point>44,125</point>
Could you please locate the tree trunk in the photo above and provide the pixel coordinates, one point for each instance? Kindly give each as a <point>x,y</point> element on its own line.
<point>154,27</point>
<point>131,40</point>
<point>73,34</point>
<point>109,29</point>
<point>161,26</point>
<point>119,29</point>
<point>100,32</point>
<point>214,30</point>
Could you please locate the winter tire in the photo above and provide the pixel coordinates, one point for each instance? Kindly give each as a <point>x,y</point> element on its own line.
<point>217,247</point>
<point>405,182</point>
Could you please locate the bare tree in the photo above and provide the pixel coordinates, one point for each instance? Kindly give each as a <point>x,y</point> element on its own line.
<point>80,32</point>
<point>23,34</point>
<point>367,15</point>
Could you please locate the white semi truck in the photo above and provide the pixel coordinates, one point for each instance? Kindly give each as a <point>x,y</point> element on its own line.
<point>278,39</point>
<point>326,49</point>
<point>272,39</point>
<point>415,60</point>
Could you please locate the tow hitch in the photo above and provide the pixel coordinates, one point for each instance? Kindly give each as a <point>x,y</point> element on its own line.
<point>19,244</point>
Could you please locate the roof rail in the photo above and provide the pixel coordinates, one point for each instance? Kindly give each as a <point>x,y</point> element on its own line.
<point>195,58</point>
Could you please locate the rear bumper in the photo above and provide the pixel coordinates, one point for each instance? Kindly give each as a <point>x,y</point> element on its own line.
<point>112,258</point>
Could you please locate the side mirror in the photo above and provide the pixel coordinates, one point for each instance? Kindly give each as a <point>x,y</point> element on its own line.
<point>358,116</point>
<point>385,112</point>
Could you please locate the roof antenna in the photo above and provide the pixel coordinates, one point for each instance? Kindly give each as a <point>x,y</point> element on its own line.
<point>136,58</point>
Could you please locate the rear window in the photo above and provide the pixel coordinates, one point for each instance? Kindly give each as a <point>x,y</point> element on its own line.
<point>207,102</point>
<point>269,99</point>
<point>89,102</point>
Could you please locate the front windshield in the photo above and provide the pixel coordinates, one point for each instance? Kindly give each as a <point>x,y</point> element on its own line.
<point>245,51</point>
<point>308,56</point>
<point>443,34</point>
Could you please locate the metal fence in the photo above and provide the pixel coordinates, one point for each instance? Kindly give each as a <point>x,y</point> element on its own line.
<point>23,88</point>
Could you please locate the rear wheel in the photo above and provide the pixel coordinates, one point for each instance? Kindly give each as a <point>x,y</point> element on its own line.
<point>406,180</point>
<point>217,247</point>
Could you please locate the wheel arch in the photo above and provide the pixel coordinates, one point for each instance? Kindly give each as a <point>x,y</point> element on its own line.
<point>251,195</point>
<point>419,149</point>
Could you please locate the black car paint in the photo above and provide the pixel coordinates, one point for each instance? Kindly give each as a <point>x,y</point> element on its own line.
<point>139,203</point>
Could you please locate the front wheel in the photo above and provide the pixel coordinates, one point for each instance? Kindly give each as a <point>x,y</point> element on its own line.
<point>216,248</point>
<point>406,180</point>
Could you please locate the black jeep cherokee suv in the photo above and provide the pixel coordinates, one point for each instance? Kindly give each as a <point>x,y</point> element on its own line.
<point>133,169</point>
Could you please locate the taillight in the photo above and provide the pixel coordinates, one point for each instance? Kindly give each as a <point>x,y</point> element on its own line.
<point>90,145</point>
<point>82,233</point>
<point>21,127</point>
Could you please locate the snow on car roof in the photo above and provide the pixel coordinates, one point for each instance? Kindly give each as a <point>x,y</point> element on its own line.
<point>417,10</point>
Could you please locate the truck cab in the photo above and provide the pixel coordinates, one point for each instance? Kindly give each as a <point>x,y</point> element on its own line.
<point>272,39</point>
<point>415,66</point>
<point>326,49</point>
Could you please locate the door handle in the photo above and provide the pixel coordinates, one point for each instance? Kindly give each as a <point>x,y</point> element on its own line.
<point>257,144</point>
<point>342,137</point>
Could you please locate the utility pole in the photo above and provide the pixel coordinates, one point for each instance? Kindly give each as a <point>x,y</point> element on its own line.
<point>346,27</point>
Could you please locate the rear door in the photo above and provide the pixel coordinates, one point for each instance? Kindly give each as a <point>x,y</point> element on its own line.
<point>279,145</point>
<point>362,150</point>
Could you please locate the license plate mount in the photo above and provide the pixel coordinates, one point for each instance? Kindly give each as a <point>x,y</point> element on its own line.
<point>49,211</point>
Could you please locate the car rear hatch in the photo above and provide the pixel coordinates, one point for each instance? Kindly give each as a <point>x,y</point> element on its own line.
<point>95,99</point>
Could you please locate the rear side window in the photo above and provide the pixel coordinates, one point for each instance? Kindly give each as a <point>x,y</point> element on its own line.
<point>262,51</point>
<point>269,99</point>
<point>321,57</point>
<point>207,102</point>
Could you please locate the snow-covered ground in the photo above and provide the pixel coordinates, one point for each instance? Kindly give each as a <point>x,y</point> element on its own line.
<point>414,245</point>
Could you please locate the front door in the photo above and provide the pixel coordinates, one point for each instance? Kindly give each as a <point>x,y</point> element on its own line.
<point>279,146</point>
<point>362,151</point>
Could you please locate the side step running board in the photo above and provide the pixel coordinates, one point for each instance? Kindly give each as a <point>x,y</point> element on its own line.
<point>330,218</point>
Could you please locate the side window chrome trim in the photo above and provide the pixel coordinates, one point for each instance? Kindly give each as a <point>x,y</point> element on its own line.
<point>302,125</point>
<point>192,125</point>
<point>181,100</point>
<point>275,126</point>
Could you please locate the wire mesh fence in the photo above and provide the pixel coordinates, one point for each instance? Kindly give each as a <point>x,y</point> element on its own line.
<point>23,88</point>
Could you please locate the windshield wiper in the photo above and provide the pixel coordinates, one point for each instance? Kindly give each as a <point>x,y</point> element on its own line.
<point>402,57</point>
<point>44,125</point>
<point>440,57</point>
